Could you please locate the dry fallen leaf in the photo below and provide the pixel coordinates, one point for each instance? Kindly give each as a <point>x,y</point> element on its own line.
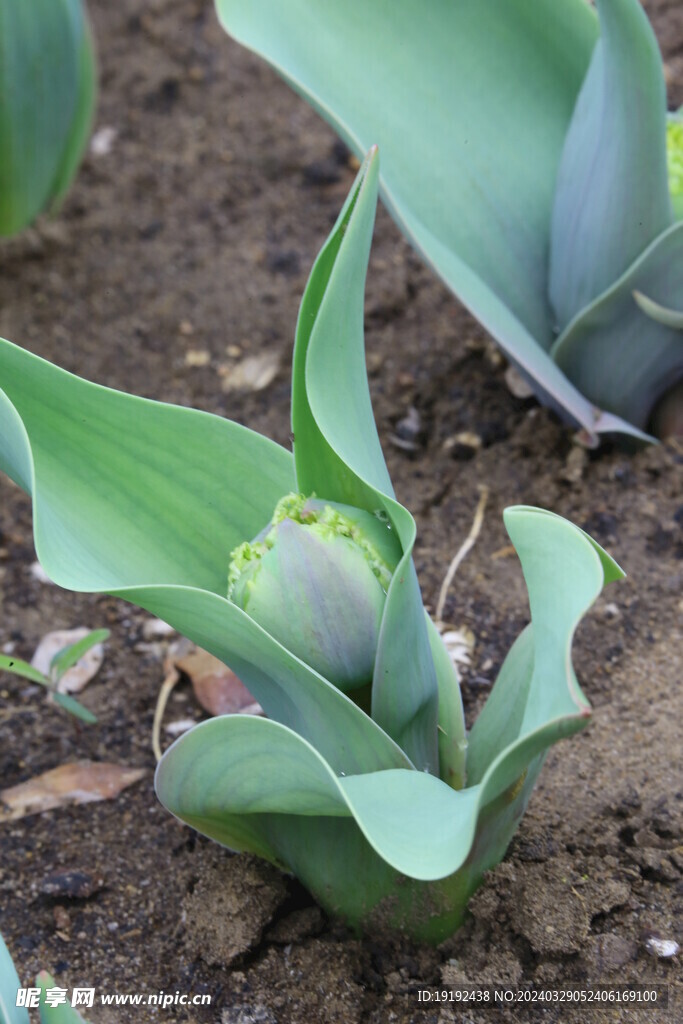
<point>253,373</point>
<point>216,687</point>
<point>81,782</point>
<point>80,674</point>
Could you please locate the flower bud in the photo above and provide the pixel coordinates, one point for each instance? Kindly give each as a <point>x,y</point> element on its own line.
<point>316,579</point>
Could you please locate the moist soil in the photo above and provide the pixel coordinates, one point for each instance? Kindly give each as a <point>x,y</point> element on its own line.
<point>194,233</point>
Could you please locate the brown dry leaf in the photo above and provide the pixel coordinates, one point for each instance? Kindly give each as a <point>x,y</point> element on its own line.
<point>253,373</point>
<point>79,675</point>
<point>80,782</point>
<point>216,687</point>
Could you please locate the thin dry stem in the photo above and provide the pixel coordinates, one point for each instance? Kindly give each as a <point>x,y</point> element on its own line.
<point>462,552</point>
<point>162,700</point>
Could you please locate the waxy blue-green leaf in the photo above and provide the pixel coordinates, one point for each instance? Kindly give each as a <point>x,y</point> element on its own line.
<point>47,83</point>
<point>10,1013</point>
<point>414,79</point>
<point>612,195</point>
<point>628,343</point>
<point>252,784</point>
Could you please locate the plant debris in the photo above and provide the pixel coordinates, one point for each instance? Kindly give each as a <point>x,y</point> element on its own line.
<point>79,675</point>
<point>79,782</point>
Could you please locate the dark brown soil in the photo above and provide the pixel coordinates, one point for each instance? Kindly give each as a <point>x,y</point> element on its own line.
<point>196,232</point>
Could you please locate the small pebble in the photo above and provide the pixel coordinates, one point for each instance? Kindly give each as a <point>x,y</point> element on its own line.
<point>39,573</point>
<point>662,948</point>
<point>154,629</point>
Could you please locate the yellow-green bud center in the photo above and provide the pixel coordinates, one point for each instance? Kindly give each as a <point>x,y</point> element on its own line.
<point>674,156</point>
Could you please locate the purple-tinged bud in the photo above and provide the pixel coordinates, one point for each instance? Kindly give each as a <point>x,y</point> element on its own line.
<point>316,579</point>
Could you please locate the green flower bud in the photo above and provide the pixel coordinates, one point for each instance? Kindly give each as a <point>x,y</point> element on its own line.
<point>316,579</point>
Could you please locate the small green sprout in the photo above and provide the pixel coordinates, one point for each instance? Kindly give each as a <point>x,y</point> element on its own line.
<point>524,153</point>
<point>362,779</point>
<point>47,90</point>
<point>11,1012</point>
<point>62,660</point>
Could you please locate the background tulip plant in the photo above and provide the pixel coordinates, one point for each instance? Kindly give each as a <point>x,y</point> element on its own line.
<point>47,91</point>
<point>297,572</point>
<point>524,153</point>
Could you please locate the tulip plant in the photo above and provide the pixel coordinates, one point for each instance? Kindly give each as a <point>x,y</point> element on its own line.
<point>297,572</point>
<point>47,90</point>
<point>524,153</point>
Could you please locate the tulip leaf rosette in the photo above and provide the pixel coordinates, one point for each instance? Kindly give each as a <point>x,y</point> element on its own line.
<point>296,570</point>
<point>524,153</point>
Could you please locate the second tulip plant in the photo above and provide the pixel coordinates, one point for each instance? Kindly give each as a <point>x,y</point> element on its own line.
<point>524,151</point>
<point>296,570</point>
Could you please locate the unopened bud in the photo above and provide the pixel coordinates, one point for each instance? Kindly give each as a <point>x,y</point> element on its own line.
<point>316,579</point>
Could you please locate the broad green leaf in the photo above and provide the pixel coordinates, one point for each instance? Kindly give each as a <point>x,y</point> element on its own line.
<point>40,79</point>
<point>617,349</point>
<point>484,92</point>
<point>10,1013</point>
<point>612,198</point>
<point>63,1013</point>
<point>68,656</point>
<point>146,501</point>
<point>8,663</point>
<point>129,491</point>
